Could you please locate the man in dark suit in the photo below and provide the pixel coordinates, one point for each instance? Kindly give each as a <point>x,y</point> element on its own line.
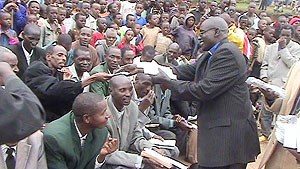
<point>52,83</point>
<point>78,139</point>
<point>21,113</point>
<point>227,135</point>
<point>27,50</point>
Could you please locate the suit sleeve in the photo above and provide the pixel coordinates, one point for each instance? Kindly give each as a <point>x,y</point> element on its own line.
<point>55,158</point>
<point>185,72</point>
<point>21,112</point>
<point>222,75</point>
<point>47,87</point>
<point>290,57</point>
<point>264,66</point>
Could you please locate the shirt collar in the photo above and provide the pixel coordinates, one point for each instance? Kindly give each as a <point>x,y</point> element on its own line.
<point>78,132</point>
<point>25,51</point>
<point>214,48</point>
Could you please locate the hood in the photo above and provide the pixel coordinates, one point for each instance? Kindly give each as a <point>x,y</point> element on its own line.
<point>185,21</point>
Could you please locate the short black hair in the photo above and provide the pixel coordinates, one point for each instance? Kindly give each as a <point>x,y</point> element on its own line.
<point>80,48</point>
<point>86,103</point>
<point>148,49</point>
<point>79,14</point>
<point>127,17</point>
<point>288,26</point>
<point>123,50</point>
<point>115,15</point>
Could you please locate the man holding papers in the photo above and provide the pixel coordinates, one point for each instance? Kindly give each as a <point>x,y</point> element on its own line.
<point>227,136</point>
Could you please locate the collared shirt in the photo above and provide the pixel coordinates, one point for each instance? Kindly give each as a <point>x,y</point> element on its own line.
<point>5,147</point>
<point>82,140</point>
<point>91,22</point>
<point>27,54</point>
<point>120,114</point>
<point>75,77</point>
<point>212,51</point>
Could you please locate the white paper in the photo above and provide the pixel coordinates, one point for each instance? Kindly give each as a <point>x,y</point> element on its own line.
<point>152,69</point>
<point>166,159</point>
<point>163,143</point>
<point>259,83</point>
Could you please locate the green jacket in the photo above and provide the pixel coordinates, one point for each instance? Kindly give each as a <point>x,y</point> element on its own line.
<point>63,148</point>
<point>101,88</point>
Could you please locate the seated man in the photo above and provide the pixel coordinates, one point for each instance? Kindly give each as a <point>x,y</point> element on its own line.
<point>28,153</point>
<point>125,127</point>
<point>52,83</point>
<point>77,140</point>
<point>173,52</point>
<point>80,67</point>
<point>113,61</point>
<point>85,37</point>
<point>103,45</point>
<point>27,50</point>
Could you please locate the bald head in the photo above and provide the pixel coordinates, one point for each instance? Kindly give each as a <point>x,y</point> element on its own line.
<point>32,29</point>
<point>211,23</point>
<point>86,103</point>
<point>226,17</point>
<point>10,58</point>
<point>174,46</point>
<point>117,81</point>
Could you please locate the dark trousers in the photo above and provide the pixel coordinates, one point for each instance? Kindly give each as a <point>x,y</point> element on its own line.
<point>233,166</point>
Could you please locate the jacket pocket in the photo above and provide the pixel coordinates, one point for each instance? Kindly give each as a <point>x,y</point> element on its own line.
<point>219,123</point>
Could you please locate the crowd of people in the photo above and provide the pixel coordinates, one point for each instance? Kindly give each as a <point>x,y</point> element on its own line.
<point>75,95</point>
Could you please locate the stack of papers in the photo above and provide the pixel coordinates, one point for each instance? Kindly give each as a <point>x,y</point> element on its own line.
<point>163,144</point>
<point>287,131</point>
<point>165,161</point>
<point>151,68</point>
<point>259,83</point>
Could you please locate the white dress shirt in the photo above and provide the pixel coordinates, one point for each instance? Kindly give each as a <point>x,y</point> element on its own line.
<point>75,77</point>
<point>27,54</point>
<point>4,148</point>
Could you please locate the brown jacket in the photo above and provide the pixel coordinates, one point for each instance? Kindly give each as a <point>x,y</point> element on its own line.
<point>275,157</point>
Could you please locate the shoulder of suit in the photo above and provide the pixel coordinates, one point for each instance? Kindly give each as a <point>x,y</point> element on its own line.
<point>59,126</point>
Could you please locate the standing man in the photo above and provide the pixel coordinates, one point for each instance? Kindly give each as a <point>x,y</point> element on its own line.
<point>27,50</point>
<point>228,137</point>
<point>279,58</point>
<point>251,15</point>
<point>200,11</point>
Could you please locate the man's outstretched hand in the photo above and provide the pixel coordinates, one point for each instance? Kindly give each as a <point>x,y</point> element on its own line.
<point>108,147</point>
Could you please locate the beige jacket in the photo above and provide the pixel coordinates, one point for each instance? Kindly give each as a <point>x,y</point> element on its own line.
<point>285,160</point>
<point>30,153</point>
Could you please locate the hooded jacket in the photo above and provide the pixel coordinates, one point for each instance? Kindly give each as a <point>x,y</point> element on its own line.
<point>185,37</point>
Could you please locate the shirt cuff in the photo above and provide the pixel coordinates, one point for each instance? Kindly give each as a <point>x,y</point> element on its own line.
<point>97,164</point>
<point>138,163</point>
<point>172,123</point>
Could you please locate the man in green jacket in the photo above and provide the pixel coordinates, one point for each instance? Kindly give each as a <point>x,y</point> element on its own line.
<point>113,61</point>
<point>77,140</point>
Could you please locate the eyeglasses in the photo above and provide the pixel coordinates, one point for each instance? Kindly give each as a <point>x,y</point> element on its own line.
<point>202,32</point>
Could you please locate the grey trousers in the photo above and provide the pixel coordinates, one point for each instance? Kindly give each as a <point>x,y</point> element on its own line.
<point>266,121</point>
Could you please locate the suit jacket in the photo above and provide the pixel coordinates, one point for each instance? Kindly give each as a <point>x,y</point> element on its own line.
<point>276,64</point>
<point>162,59</point>
<point>63,147</point>
<point>21,112</point>
<point>22,63</point>
<point>57,95</point>
<point>101,88</point>
<point>160,112</point>
<point>283,107</point>
<point>129,135</point>
<point>30,153</point>
<point>228,131</point>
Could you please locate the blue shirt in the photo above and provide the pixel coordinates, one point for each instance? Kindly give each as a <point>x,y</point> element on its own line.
<point>212,51</point>
<point>140,20</point>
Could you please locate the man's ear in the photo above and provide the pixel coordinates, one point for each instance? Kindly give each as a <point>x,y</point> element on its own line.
<point>86,119</point>
<point>48,56</point>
